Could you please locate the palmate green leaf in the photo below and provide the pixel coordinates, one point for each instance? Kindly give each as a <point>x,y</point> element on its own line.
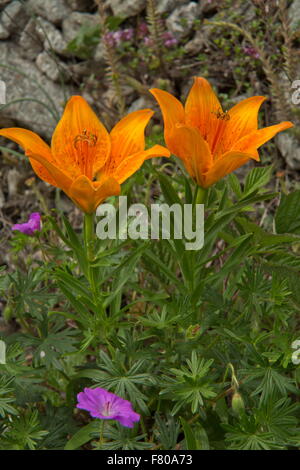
<point>190,386</point>
<point>6,398</point>
<point>123,273</point>
<point>50,347</point>
<point>240,438</point>
<point>167,431</point>
<point>271,382</point>
<point>60,423</point>
<point>28,295</point>
<point>164,271</point>
<point>280,418</point>
<point>287,218</point>
<point>23,432</point>
<point>119,438</point>
<point>125,381</point>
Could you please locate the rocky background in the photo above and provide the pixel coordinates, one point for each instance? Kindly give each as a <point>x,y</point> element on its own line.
<point>112,52</point>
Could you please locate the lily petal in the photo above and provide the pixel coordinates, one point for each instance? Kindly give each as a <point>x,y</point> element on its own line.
<point>62,180</point>
<point>243,119</point>
<point>251,142</point>
<point>127,137</point>
<point>171,108</point>
<point>201,108</point>
<point>229,162</point>
<point>80,142</point>
<point>88,195</point>
<point>194,151</point>
<point>32,143</point>
<point>132,163</point>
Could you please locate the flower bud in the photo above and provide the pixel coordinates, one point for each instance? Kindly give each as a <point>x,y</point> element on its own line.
<point>237,404</point>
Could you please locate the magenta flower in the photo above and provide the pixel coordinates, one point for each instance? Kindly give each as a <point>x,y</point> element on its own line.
<point>109,39</point>
<point>169,39</point>
<point>33,224</point>
<point>127,34</point>
<point>106,405</point>
<point>251,51</point>
<point>142,29</point>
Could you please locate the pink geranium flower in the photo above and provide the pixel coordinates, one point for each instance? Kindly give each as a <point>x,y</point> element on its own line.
<point>106,405</point>
<point>33,224</point>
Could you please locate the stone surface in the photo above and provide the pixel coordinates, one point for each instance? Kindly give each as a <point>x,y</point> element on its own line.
<point>126,8</point>
<point>13,18</point>
<point>29,114</point>
<point>99,54</point>
<point>140,103</point>
<point>53,69</point>
<point>72,25</point>
<point>13,179</point>
<point>52,10</point>
<point>200,41</point>
<point>31,45</point>
<point>181,21</point>
<point>290,149</point>
<point>80,5</point>
<point>294,15</point>
<point>166,6</point>
<point>4,34</point>
<point>51,36</point>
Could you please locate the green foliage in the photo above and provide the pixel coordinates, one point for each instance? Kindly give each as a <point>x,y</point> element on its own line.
<point>85,41</point>
<point>150,321</point>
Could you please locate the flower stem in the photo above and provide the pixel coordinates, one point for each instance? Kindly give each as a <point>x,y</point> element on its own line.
<point>200,195</point>
<point>101,433</point>
<point>89,247</point>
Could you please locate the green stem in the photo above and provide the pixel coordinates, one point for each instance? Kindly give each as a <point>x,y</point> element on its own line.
<point>89,247</point>
<point>200,196</point>
<point>101,434</point>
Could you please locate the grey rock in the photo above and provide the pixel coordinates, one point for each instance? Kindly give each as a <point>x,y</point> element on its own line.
<point>31,45</point>
<point>2,199</point>
<point>52,10</point>
<point>200,41</point>
<point>140,103</point>
<point>126,8</point>
<point>207,7</point>
<point>79,5</point>
<point>53,69</point>
<point>29,114</point>
<point>13,17</point>
<point>99,53</point>
<point>4,2</point>
<point>181,21</point>
<point>51,36</point>
<point>294,15</point>
<point>166,6</point>
<point>86,70</point>
<point>13,179</point>
<point>4,34</point>
<point>289,147</point>
<point>72,25</point>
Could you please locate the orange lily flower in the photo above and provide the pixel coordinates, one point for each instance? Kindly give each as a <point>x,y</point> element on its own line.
<point>210,142</point>
<point>84,160</point>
